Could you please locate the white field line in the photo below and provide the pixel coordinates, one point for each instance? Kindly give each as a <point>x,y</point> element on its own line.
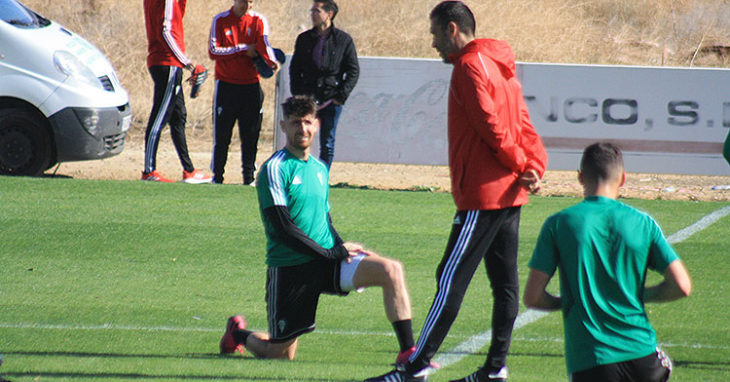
<point>480,340</point>
<point>698,226</point>
<point>321,331</point>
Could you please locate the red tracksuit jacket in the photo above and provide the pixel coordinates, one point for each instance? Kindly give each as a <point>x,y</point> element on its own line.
<point>491,139</point>
<point>230,37</point>
<point>165,34</point>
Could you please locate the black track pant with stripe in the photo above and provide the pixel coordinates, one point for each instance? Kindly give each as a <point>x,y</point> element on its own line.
<point>168,107</point>
<point>236,102</point>
<point>491,236</point>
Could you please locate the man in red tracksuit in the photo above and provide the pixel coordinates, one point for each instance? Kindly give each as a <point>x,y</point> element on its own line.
<point>236,36</point>
<point>166,59</point>
<point>495,158</point>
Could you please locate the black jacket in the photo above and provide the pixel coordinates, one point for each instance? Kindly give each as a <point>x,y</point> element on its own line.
<point>340,68</point>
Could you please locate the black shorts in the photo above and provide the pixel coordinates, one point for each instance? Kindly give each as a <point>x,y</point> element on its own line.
<point>292,294</point>
<point>655,367</point>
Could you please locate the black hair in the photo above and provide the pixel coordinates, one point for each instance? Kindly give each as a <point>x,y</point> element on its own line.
<point>329,6</point>
<point>601,161</point>
<point>454,11</point>
<point>299,106</point>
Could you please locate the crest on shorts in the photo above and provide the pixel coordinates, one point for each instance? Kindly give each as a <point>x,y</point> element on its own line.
<point>282,325</point>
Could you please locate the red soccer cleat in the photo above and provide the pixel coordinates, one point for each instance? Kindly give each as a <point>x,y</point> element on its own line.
<point>228,344</point>
<point>403,356</point>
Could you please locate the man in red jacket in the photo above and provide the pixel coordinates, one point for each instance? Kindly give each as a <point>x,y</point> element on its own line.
<point>237,36</point>
<point>495,158</point>
<point>166,59</point>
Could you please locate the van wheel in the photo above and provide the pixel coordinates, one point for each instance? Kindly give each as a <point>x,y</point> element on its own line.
<point>25,147</point>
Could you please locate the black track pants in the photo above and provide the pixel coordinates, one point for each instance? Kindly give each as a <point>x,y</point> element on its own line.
<point>233,103</point>
<point>168,107</point>
<point>491,236</point>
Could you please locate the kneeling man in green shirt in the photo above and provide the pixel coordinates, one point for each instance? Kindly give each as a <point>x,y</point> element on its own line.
<point>305,255</point>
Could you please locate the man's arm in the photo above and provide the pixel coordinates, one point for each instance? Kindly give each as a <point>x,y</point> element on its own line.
<point>535,296</point>
<point>351,69</point>
<point>216,51</point>
<point>534,151</point>
<point>531,142</point>
<point>170,39</point>
<point>262,47</point>
<point>676,284</point>
<point>293,236</point>
<point>296,67</point>
<point>473,84</point>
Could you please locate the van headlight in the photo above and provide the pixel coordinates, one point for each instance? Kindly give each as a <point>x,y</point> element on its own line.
<point>89,119</point>
<point>70,65</point>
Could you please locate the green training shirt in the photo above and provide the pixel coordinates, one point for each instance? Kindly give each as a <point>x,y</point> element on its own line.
<point>303,188</point>
<point>603,248</point>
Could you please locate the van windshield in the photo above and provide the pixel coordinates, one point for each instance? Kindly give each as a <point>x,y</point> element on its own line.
<point>15,13</point>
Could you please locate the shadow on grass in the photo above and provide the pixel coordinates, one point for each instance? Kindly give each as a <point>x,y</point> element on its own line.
<point>119,355</point>
<point>699,365</point>
<point>110,375</point>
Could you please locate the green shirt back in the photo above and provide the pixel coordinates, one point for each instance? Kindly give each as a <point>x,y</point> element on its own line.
<point>302,187</point>
<point>603,249</point>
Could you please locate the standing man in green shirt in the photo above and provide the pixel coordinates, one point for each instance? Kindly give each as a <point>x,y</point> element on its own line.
<point>603,249</point>
<point>305,255</point>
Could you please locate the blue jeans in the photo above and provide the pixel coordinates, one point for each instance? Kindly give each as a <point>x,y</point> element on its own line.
<point>328,118</point>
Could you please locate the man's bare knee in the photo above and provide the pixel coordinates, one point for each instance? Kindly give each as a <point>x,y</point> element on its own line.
<point>394,271</point>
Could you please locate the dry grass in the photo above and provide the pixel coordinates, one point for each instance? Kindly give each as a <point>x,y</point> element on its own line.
<point>632,32</point>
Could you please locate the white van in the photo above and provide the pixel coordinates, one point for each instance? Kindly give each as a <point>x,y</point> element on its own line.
<point>60,99</point>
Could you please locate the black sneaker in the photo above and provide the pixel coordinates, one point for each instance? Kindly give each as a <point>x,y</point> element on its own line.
<point>399,376</point>
<point>248,178</point>
<point>482,375</point>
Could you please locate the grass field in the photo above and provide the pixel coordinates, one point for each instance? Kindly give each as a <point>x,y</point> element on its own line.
<point>130,281</point>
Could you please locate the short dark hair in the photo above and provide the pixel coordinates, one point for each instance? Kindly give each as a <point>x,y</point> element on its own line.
<point>299,106</point>
<point>456,11</point>
<point>601,161</point>
<point>329,6</point>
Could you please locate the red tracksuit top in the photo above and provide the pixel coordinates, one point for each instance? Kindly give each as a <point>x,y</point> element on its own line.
<point>491,139</point>
<point>230,38</point>
<point>165,34</point>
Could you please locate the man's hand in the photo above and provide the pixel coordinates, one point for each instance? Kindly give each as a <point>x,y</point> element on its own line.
<point>251,51</point>
<point>197,79</point>
<point>355,249</point>
<point>530,180</point>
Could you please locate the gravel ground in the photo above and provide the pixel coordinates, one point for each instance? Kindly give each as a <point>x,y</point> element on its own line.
<point>128,166</point>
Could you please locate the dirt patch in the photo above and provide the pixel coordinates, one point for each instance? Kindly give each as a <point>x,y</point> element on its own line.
<point>128,166</point>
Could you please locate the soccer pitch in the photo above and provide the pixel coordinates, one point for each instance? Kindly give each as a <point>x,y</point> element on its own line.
<point>132,281</point>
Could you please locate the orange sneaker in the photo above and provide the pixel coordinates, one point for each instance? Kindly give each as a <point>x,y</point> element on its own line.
<point>228,344</point>
<point>155,176</point>
<point>196,177</point>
